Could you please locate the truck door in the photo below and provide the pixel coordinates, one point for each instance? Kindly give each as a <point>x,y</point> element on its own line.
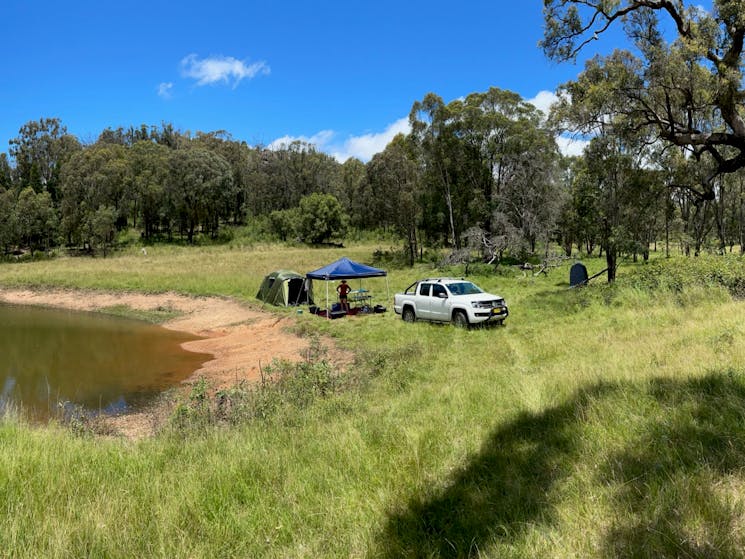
<point>423,301</point>
<point>438,307</point>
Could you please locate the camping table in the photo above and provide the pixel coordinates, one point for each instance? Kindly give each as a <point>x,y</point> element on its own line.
<point>359,297</point>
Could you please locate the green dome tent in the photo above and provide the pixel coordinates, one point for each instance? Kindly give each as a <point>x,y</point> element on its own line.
<point>284,288</point>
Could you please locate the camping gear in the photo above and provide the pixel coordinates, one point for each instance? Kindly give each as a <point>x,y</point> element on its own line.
<point>344,268</point>
<point>332,314</point>
<point>284,288</point>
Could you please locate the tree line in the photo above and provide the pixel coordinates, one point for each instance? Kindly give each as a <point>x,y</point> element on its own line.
<point>167,184</point>
<point>485,163</point>
<point>481,176</point>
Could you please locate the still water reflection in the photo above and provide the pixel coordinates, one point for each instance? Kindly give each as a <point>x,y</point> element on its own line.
<point>109,364</point>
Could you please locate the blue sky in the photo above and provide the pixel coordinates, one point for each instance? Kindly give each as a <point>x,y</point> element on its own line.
<point>340,74</point>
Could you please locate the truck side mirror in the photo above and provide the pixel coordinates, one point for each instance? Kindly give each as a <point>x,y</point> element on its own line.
<point>442,295</point>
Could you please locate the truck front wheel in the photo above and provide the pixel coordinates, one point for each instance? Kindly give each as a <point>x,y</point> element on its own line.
<point>408,315</point>
<point>460,319</point>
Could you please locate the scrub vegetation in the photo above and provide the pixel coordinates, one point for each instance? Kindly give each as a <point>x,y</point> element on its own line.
<point>600,422</point>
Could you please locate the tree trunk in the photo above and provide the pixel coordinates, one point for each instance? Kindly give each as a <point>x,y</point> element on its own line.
<point>412,246</point>
<point>610,261</point>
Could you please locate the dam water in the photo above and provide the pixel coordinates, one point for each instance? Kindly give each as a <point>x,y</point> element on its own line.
<point>51,360</point>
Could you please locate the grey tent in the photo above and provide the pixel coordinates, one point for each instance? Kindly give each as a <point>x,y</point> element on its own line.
<point>284,288</point>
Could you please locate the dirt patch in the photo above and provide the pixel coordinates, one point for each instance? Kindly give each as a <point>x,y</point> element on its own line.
<point>241,339</point>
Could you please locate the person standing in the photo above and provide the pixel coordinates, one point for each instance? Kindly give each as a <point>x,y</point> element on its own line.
<point>343,290</point>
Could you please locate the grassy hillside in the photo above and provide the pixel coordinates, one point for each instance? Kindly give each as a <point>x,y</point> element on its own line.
<point>603,422</point>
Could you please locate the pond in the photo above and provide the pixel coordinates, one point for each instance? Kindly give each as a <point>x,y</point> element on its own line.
<point>51,360</point>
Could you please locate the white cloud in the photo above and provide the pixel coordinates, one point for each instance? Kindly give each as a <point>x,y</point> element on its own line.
<point>319,140</point>
<point>567,144</point>
<point>543,101</point>
<point>220,69</point>
<point>365,146</point>
<point>362,147</point>
<point>165,90</point>
<point>570,146</point>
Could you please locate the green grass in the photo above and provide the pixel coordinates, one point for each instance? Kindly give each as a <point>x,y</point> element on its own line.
<point>601,422</point>
<point>154,316</point>
<point>220,270</point>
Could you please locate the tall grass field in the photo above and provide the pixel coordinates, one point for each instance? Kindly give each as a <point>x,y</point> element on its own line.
<point>607,421</point>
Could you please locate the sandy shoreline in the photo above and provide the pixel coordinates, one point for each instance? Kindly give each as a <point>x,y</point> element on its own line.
<point>241,339</point>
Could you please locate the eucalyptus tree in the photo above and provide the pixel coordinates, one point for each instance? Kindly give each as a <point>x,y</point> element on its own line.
<point>393,177</point>
<point>168,135</point>
<point>35,219</point>
<point>101,225</point>
<point>531,199</point>
<point>490,163</point>
<point>610,166</point>
<point>353,192</point>
<point>8,232</point>
<point>148,164</point>
<point>98,176</point>
<point>236,154</point>
<point>126,137</point>
<point>297,170</point>
<point>595,105</point>
<point>199,181</point>
<point>687,92</point>
<point>696,212</point>
<point>734,212</point>
<point>260,195</point>
<point>503,134</point>
<point>440,153</point>
<point>39,151</point>
<point>249,180</point>
<point>6,172</point>
<point>577,221</point>
<point>688,217</point>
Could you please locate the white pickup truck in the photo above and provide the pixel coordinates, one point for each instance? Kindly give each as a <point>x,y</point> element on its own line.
<point>449,300</point>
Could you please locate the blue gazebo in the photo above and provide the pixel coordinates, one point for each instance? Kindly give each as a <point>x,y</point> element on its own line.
<point>344,268</point>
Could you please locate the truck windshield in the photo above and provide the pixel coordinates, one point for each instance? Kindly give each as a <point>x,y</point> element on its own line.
<point>463,288</point>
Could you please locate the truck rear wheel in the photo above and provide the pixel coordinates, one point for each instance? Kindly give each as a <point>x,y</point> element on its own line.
<point>408,315</point>
<point>460,319</point>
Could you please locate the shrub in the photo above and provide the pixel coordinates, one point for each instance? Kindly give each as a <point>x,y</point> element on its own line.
<point>284,385</point>
<point>677,274</point>
<point>321,218</point>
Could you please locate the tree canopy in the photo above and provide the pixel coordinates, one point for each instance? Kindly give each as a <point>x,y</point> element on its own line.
<point>687,91</point>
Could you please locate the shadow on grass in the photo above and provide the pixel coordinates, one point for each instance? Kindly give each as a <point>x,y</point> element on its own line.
<point>668,485</point>
<point>502,490</point>
<point>682,484</point>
